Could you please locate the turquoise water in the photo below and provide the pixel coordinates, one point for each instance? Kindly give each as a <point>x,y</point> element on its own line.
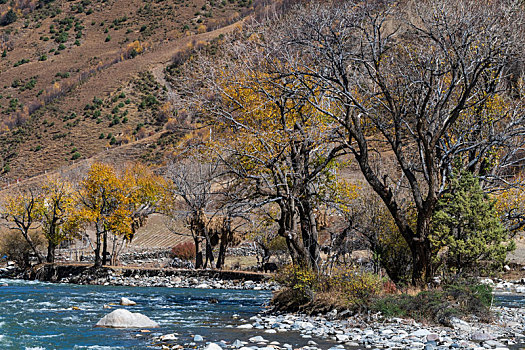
<point>509,300</point>
<point>36,315</point>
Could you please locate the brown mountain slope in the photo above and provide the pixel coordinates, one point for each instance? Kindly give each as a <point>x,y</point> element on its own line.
<point>98,92</point>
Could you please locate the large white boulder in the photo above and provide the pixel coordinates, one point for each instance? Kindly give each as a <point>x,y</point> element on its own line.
<point>121,318</point>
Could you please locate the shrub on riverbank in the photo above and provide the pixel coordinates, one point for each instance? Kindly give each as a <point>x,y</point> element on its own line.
<point>467,298</point>
<point>360,291</point>
<point>14,247</point>
<point>346,287</point>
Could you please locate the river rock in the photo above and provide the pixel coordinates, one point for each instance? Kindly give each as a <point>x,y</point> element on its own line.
<point>121,318</point>
<point>456,323</point>
<point>167,337</point>
<point>245,326</point>
<point>481,336</point>
<point>432,337</point>
<point>520,290</point>
<point>237,344</point>
<point>258,339</point>
<point>127,302</point>
<point>494,344</point>
<point>420,333</point>
<point>212,346</point>
<point>342,337</point>
<point>198,338</point>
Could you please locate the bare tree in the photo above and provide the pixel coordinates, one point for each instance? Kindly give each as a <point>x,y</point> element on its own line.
<point>192,198</point>
<point>21,211</point>
<point>425,85</point>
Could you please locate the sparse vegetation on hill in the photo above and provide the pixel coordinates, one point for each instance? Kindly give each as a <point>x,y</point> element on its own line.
<point>58,57</point>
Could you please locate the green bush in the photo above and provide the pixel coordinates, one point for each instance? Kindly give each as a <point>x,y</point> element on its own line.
<point>76,156</point>
<point>464,298</point>
<point>21,62</point>
<point>467,231</point>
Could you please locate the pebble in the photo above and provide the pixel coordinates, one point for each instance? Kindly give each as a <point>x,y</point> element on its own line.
<point>127,302</point>
<point>258,339</point>
<point>168,337</point>
<point>176,282</point>
<point>237,344</point>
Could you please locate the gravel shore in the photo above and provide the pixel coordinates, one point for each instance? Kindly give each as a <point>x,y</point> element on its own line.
<point>372,332</point>
<point>114,279</point>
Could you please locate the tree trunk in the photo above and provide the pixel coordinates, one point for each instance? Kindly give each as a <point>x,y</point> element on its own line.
<point>266,254</point>
<point>51,247</point>
<point>421,251</point>
<point>98,261</point>
<point>225,238</point>
<point>198,253</point>
<point>309,234</point>
<point>222,249</point>
<point>209,254</point>
<point>422,267</point>
<point>287,229</point>
<point>105,248</point>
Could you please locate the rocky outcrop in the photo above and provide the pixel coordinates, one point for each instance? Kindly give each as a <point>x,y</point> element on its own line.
<point>121,318</point>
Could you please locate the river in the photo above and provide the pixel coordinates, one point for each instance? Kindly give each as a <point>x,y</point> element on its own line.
<point>37,315</point>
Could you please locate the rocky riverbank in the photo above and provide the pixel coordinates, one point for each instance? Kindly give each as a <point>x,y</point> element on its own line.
<point>176,281</point>
<point>137,277</point>
<point>371,332</point>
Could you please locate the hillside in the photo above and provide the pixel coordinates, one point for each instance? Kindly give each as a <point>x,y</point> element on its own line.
<point>82,78</point>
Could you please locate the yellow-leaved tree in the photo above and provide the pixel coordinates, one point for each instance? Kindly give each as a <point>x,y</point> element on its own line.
<point>56,213</point>
<point>113,204</point>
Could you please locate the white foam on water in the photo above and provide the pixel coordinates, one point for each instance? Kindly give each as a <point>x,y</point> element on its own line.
<point>50,335</point>
<point>98,347</point>
<point>46,303</point>
<point>35,348</point>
